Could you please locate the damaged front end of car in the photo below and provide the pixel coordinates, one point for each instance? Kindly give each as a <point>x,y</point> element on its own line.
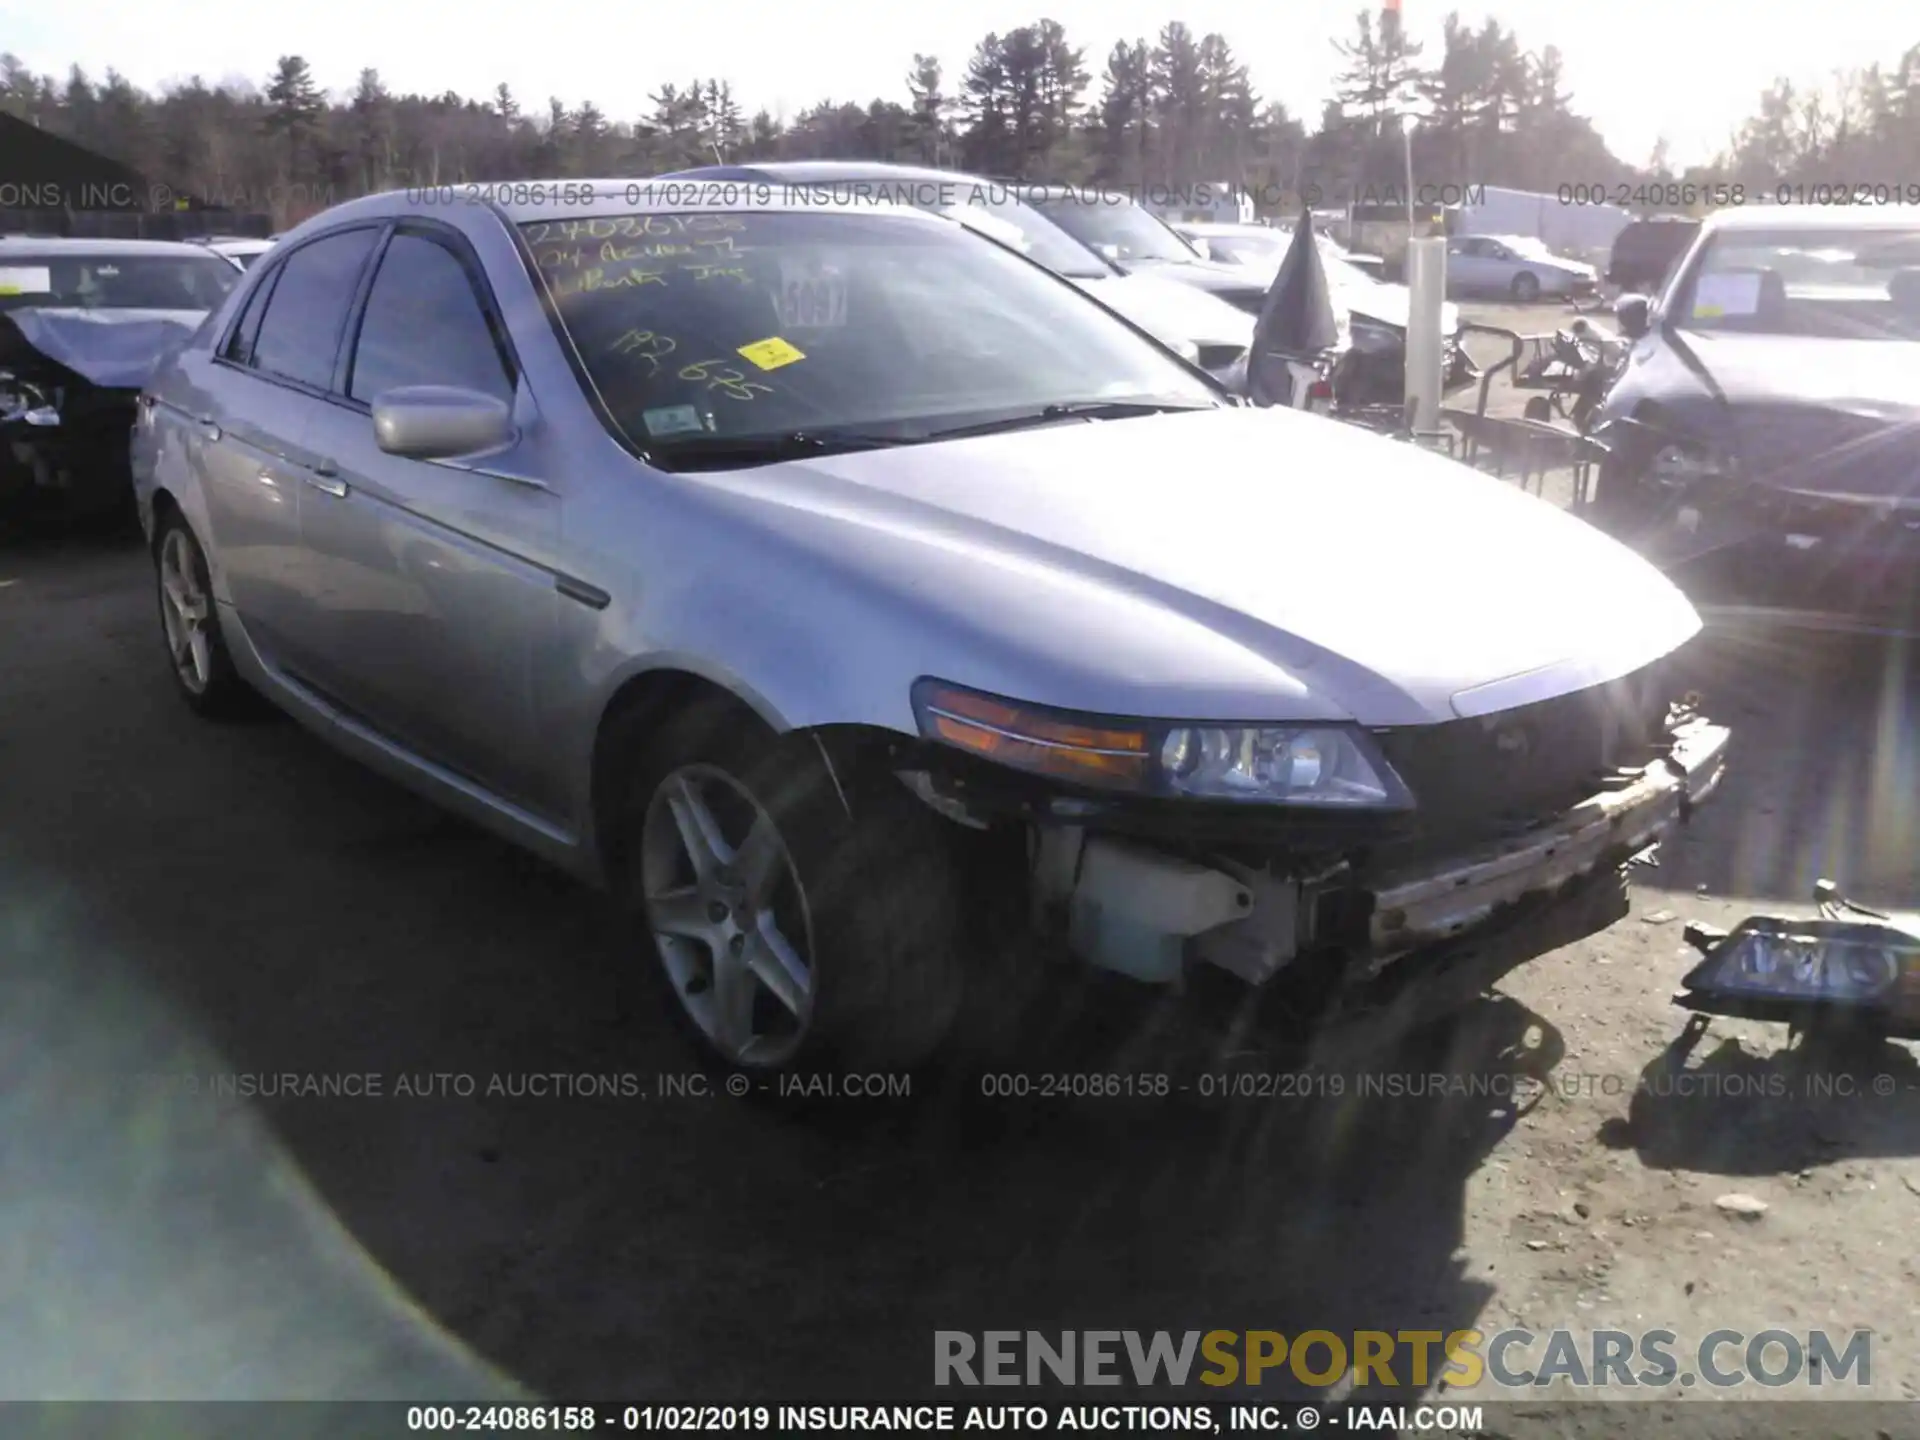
<point>69,399</point>
<point>63,440</point>
<point>1168,851</point>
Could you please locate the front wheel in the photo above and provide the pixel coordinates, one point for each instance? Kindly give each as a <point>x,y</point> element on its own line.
<point>795,922</point>
<point>1526,287</point>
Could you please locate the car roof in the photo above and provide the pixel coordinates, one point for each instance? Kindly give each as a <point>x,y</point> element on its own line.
<point>559,200</point>
<point>66,245</point>
<point>826,172</point>
<point>1076,192</point>
<point>1815,217</point>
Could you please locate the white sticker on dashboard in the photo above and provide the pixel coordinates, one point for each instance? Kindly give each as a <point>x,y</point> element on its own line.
<point>26,280</point>
<point>812,297</point>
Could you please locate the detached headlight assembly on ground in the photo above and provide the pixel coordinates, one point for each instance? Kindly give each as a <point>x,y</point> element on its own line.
<point>1772,968</point>
<point>1328,767</point>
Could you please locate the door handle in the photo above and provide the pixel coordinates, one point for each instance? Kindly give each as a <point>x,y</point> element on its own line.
<point>327,481</point>
<point>208,425</point>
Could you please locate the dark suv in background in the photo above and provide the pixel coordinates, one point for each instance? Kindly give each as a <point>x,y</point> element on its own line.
<point>1645,253</point>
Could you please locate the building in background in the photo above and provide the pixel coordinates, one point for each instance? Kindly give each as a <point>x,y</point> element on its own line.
<point>51,186</point>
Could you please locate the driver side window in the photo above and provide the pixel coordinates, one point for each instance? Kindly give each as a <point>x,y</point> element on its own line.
<point>425,325</point>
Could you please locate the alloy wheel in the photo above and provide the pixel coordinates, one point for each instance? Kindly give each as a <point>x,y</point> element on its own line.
<point>729,915</point>
<point>186,610</point>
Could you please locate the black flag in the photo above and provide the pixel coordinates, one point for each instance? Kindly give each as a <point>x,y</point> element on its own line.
<point>1297,319</point>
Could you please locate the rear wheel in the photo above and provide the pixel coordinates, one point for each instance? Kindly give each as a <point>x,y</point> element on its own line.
<point>794,925</point>
<point>202,669</point>
<point>1526,287</point>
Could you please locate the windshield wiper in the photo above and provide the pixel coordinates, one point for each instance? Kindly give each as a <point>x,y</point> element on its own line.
<point>1070,410</point>
<point>727,450</point>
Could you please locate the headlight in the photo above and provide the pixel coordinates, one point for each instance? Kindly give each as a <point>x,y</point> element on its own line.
<point>23,400</point>
<point>1322,766</point>
<point>1372,338</point>
<point>1875,967</point>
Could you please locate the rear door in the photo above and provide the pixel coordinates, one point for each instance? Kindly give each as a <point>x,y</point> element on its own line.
<point>260,393</point>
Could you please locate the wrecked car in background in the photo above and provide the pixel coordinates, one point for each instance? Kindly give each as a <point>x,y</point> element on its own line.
<point>1763,430</point>
<point>83,323</point>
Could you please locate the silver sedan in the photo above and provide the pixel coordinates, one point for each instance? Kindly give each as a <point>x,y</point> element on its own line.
<point>811,575</point>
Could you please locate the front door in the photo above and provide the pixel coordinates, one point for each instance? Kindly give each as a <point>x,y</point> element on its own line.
<point>430,579</point>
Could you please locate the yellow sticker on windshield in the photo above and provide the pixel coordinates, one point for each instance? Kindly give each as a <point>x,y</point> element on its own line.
<point>771,354</point>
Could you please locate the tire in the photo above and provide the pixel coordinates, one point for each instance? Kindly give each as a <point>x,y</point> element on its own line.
<point>197,658</point>
<point>863,893</point>
<point>1526,287</point>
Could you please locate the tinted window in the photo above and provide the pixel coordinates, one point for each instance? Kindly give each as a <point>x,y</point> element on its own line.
<point>300,333</point>
<point>247,330</point>
<point>424,326</point>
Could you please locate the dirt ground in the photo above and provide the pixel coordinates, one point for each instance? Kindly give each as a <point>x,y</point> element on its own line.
<point>185,908</point>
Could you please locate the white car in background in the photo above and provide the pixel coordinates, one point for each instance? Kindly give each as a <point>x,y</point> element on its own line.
<point>1377,311</point>
<point>1264,246</point>
<point>1517,266</point>
<point>242,250</point>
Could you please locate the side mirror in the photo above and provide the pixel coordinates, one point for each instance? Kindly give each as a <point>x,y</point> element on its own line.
<point>1634,314</point>
<point>439,422</point>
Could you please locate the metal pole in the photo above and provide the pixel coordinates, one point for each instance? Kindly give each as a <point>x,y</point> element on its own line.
<point>1406,133</point>
<point>1427,282</point>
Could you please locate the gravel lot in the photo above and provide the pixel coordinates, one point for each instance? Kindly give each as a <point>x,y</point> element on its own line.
<point>179,903</point>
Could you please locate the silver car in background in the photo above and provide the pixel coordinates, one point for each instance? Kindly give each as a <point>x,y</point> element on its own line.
<point>815,577</point>
<point>1517,266</point>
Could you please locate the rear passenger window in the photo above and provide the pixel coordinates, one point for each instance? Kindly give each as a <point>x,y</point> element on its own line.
<point>299,336</point>
<point>424,325</point>
<point>240,342</point>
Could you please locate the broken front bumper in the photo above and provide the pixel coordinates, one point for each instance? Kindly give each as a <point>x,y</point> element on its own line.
<point>1439,900</point>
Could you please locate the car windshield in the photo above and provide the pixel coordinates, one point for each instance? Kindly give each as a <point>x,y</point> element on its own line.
<point>1860,284</point>
<point>1116,227</point>
<point>991,209</point>
<point>704,327</point>
<point>115,282</point>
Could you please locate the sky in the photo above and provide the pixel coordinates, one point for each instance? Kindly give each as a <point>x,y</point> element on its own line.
<point>1688,70</point>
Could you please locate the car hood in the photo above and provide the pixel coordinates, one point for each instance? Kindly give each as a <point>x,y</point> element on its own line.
<point>1362,295</point>
<point>1172,312</point>
<point>1867,377</point>
<point>1384,583</point>
<point>115,349</point>
<point>1203,275</point>
<point>1826,417</point>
